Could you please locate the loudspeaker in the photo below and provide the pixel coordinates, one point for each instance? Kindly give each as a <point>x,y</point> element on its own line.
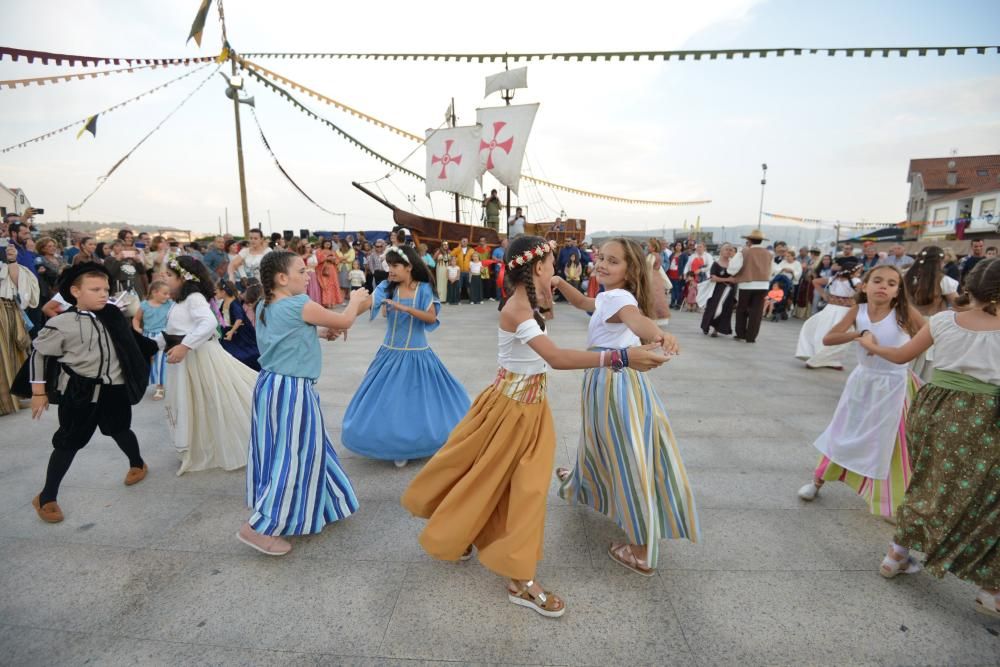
<point>288,234</point>
<point>303,233</point>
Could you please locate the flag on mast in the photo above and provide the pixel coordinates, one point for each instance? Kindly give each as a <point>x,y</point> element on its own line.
<point>198,26</point>
<point>453,159</point>
<point>505,133</point>
<point>507,80</point>
<point>89,126</point>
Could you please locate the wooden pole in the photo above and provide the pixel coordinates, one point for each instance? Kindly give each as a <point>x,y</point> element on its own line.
<point>458,215</point>
<point>239,134</point>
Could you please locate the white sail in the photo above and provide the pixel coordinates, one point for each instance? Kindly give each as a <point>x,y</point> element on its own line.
<point>453,159</point>
<point>508,80</point>
<point>505,133</point>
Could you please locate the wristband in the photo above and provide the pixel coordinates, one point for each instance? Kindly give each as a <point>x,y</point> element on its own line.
<point>863,332</point>
<point>625,357</point>
<point>600,363</point>
<point>616,361</point>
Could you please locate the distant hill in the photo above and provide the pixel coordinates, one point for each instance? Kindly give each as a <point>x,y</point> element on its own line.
<point>92,225</point>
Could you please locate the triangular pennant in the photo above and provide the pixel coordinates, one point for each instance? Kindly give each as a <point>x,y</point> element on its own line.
<point>89,126</point>
<point>199,22</point>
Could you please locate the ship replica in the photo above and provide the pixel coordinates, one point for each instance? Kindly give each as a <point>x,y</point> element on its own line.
<point>458,156</point>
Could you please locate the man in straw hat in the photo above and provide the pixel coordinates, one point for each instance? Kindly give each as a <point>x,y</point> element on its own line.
<point>751,269</point>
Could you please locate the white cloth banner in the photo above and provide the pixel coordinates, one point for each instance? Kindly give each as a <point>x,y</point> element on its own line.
<point>453,159</point>
<point>505,134</point>
<point>509,80</point>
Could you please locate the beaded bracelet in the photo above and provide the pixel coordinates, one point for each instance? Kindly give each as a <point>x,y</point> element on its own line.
<point>624,352</point>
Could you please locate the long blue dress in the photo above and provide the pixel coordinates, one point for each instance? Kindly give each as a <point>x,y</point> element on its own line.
<point>243,346</point>
<point>408,403</point>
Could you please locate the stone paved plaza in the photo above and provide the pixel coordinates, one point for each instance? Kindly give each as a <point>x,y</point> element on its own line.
<point>152,574</point>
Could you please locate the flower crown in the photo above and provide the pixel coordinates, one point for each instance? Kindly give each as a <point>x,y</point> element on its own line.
<point>184,273</point>
<point>402,255</point>
<point>528,255</point>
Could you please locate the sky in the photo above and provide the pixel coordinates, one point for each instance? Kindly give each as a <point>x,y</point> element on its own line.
<point>836,133</point>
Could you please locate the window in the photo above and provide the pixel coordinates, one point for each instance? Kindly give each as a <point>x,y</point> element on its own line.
<point>22,200</point>
<point>988,206</point>
<point>941,214</point>
<point>982,173</point>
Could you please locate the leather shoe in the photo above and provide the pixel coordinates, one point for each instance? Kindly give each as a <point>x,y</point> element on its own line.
<point>136,475</point>
<point>49,512</point>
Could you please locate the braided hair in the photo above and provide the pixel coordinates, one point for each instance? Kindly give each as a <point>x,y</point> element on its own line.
<point>983,284</point>
<point>923,278</point>
<point>273,263</point>
<point>523,274</point>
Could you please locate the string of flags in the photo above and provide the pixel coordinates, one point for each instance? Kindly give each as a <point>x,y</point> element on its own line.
<point>619,56</point>
<point>61,78</point>
<point>72,60</point>
<point>104,179</point>
<point>261,72</point>
<point>114,107</point>
<point>818,221</point>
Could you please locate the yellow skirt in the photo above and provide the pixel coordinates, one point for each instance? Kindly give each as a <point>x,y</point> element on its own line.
<point>488,484</point>
<point>14,347</point>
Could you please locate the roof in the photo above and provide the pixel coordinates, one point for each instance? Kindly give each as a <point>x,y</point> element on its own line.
<point>968,192</point>
<point>934,173</point>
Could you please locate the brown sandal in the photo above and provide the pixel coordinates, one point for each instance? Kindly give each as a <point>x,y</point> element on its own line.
<point>546,603</point>
<point>624,556</point>
<point>562,474</point>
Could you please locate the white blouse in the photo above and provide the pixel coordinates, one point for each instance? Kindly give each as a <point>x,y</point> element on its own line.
<point>192,318</point>
<point>515,354</point>
<point>974,353</point>
<point>600,332</point>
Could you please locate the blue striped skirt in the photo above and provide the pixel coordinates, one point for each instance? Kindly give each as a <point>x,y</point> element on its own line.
<point>295,484</point>
<point>158,370</point>
<point>628,465</point>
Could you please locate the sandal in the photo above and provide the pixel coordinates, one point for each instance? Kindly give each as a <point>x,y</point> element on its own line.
<point>562,474</point>
<point>891,567</point>
<point>624,556</point>
<point>159,394</point>
<point>986,603</point>
<point>546,603</point>
<point>467,554</point>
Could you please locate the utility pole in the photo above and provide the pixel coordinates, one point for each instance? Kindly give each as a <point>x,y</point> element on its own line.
<point>227,222</point>
<point>763,182</point>
<point>239,132</point>
<point>458,216</point>
<point>270,226</point>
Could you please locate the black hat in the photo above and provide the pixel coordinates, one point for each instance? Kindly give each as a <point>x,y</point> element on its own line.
<point>72,273</point>
<point>847,263</point>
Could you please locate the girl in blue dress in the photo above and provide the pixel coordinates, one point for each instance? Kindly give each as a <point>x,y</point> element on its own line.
<point>295,485</point>
<point>405,374</point>
<point>239,338</point>
<point>150,320</point>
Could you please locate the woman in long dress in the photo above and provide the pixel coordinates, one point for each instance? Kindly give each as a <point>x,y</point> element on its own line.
<point>209,398</point>
<point>839,297</point>
<point>345,259</point>
<point>658,282</point>
<point>441,257</point>
<point>718,317</point>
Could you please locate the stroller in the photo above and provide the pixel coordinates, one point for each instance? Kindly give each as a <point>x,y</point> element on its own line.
<point>781,309</point>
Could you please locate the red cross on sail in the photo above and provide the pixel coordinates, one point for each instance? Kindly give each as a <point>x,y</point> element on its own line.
<point>493,144</point>
<point>452,163</point>
<point>505,134</point>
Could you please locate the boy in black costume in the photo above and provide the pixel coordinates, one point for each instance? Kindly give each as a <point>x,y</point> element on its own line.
<point>91,363</point>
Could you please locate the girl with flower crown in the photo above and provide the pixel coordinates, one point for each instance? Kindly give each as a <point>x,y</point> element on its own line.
<point>487,486</point>
<point>405,375</point>
<point>209,398</point>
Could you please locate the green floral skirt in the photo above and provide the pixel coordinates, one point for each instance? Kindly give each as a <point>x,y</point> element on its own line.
<point>951,511</point>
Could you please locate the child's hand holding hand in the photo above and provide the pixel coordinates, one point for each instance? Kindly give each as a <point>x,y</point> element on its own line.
<point>39,404</point>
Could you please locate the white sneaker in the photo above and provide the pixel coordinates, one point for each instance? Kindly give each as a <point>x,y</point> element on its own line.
<point>400,463</point>
<point>809,491</point>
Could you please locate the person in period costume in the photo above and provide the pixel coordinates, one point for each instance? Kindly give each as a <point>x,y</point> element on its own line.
<point>18,286</point>
<point>839,296</point>
<point>865,445</point>
<point>628,466</point>
<point>931,291</point>
<point>487,486</point>
<point>751,269</point>
<point>239,337</point>
<point>295,484</point>
<point>405,372</point>
<point>151,320</point>
<point>95,367</point>
<point>209,391</point>
<point>721,288</point>
<point>951,512</point>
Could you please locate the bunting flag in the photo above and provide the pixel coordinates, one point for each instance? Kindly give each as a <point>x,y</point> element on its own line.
<point>198,26</point>
<point>277,163</point>
<point>834,223</point>
<point>505,133</point>
<point>261,72</point>
<point>104,179</point>
<point>689,54</point>
<point>89,126</point>
<point>42,80</point>
<point>73,60</point>
<point>48,135</point>
<point>226,52</point>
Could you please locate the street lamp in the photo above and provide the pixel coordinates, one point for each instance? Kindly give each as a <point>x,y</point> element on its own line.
<point>763,182</point>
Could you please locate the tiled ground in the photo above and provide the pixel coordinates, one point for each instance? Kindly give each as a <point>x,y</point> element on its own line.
<point>152,574</point>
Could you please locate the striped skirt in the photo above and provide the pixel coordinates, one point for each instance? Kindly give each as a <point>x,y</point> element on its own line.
<point>158,369</point>
<point>628,465</point>
<point>882,495</point>
<point>295,484</point>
